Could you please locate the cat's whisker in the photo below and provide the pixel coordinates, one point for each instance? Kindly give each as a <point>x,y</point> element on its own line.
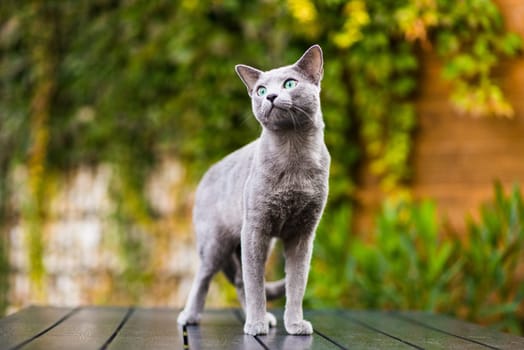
<point>286,104</point>
<point>246,120</point>
<point>294,121</point>
<point>303,111</point>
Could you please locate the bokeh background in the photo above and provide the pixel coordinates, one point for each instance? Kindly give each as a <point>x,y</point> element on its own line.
<point>111,110</point>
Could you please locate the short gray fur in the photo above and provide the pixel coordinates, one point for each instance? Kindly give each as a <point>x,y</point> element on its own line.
<point>274,187</point>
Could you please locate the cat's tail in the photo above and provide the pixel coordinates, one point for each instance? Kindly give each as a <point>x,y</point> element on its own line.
<point>233,272</point>
<point>275,289</point>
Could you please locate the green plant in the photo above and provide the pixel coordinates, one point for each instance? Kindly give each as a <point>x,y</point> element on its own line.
<point>408,265</point>
<point>132,239</point>
<point>380,65</point>
<point>404,265</point>
<point>43,61</point>
<point>4,255</point>
<point>492,254</point>
<point>470,60</point>
<point>4,242</point>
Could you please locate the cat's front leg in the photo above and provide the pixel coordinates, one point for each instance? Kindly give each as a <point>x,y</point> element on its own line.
<point>254,246</point>
<point>298,256</point>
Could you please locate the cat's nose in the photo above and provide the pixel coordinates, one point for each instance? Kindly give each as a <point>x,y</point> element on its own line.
<point>272,97</point>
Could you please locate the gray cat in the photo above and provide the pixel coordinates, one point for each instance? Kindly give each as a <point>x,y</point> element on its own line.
<point>274,187</point>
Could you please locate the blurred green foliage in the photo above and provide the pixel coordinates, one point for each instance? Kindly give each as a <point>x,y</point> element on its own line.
<point>413,262</point>
<point>492,256</point>
<point>4,254</point>
<point>124,82</point>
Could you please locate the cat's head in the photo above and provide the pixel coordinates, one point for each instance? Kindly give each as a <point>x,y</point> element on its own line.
<point>287,98</point>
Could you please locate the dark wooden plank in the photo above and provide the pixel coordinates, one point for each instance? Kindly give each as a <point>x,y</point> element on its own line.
<point>465,330</point>
<point>350,334</point>
<point>149,329</point>
<point>19,328</point>
<point>220,329</point>
<point>277,338</point>
<point>409,332</point>
<point>124,328</point>
<point>89,328</point>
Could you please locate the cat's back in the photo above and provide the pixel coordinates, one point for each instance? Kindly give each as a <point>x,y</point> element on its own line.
<point>219,193</point>
<point>230,169</point>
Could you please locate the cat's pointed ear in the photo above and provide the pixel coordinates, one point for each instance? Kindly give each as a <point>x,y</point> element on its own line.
<point>311,63</point>
<point>249,76</point>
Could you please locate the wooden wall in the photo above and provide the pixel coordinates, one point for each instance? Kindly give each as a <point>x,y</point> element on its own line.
<point>457,158</point>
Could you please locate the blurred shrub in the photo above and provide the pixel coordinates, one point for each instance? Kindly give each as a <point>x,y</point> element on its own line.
<point>411,262</point>
<point>492,254</point>
<point>404,264</point>
<point>408,266</point>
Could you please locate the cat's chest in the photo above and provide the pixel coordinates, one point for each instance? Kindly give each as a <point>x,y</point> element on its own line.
<point>287,193</point>
<point>290,182</point>
<point>287,210</point>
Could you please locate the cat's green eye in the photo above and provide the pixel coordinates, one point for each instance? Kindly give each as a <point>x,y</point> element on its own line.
<point>261,91</point>
<point>290,84</point>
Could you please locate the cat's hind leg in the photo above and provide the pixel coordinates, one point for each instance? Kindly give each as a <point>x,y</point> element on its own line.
<point>197,296</point>
<point>275,289</point>
<point>233,271</point>
<point>211,260</point>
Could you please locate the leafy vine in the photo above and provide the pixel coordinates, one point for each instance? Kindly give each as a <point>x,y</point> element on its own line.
<point>379,40</point>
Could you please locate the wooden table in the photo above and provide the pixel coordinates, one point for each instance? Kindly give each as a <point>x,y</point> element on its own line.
<point>143,328</point>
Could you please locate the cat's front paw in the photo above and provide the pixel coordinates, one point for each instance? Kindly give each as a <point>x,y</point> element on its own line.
<point>302,327</point>
<point>186,318</point>
<point>271,319</point>
<point>256,328</point>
